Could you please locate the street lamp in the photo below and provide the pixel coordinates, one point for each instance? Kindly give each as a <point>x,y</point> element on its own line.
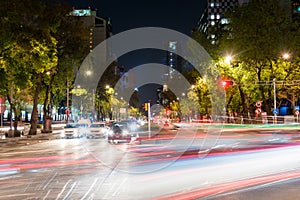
<point>275,109</point>
<point>286,56</point>
<point>228,59</point>
<point>88,72</point>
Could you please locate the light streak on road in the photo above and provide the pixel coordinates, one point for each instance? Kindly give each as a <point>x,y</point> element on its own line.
<point>76,169</point>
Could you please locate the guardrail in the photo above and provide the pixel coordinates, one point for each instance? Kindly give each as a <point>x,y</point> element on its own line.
<point>268,119</point>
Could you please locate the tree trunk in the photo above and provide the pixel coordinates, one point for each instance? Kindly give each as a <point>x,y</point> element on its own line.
<point>47,118</point>
<point>34,115</point>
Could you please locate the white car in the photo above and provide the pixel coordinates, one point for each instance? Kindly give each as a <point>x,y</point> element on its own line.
<point>70,131</point>
<point>97,130</point>
<point>75,130</point>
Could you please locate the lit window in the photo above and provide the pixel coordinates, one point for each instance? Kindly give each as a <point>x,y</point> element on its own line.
<point>212,23</point>
<point>212,16</point>
<point>218,16</point>
<point>172,45</point>
<point>224,21</point>
<point>212,4</point>
<point>213,36</point>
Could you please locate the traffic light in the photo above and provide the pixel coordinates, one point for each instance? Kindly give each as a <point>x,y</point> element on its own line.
<point>227,83</point>
<point>145,106</point>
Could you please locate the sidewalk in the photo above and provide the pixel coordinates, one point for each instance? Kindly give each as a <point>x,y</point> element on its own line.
<point>29,139</point>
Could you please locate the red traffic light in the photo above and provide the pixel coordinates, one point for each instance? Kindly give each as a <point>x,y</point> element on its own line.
<point>226,83</point>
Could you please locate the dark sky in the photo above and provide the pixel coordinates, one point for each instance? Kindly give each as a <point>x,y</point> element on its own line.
<point>179,15</point>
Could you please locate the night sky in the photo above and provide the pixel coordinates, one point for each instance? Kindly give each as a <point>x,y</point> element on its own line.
<point>179,15</point>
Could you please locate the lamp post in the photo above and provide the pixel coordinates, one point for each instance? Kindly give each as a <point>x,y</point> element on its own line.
<point>275,111</point>
<point>228,59</point>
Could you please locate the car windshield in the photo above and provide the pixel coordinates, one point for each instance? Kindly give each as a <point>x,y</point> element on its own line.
<point>70,126</point>
<point>82,125</point>
<point>97,125</point>
<point>122,125</point>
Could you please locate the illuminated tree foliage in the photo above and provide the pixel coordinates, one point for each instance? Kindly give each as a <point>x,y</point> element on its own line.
<point>258,34</point>
<point>37,53</point>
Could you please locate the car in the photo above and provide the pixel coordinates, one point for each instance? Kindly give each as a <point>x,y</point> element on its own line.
<point>74,130</point>
<point>132,125</point>
<point>97,130</point>
<point>120,132</point>
<point>70,131</point>
<point>83,129</point>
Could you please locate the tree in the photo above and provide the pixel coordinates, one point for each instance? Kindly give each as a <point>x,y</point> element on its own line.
<point>70,35</point>
<point>38,53</point>
<point>258,33</point>
<point>27,50</point>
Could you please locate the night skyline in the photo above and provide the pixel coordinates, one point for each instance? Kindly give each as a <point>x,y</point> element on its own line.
<point>177,15</point>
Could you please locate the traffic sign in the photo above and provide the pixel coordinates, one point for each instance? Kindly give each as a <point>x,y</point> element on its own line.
<point>258,104</point>
<point>275,111</point>
<point>258,111</point>
<point>297,112</point>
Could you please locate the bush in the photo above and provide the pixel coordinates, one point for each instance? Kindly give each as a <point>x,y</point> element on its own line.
<point>18,134</point>
<point>46,131</point>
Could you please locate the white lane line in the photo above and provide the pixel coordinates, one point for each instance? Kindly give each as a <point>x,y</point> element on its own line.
<point>63,189</point>
<point>70,191</point>
<point>46,185</point>
<point>89,190</point>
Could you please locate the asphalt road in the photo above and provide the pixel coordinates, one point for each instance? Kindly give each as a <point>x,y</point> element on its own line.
<point>189,165</point>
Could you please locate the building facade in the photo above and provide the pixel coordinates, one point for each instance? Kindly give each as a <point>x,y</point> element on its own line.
<point>99,28</point>
<point>213,18</point>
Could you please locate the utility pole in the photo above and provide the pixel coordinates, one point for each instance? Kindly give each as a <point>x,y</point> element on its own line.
<point>68,93</point>
<point>149,120</point>
<point>275,113</point>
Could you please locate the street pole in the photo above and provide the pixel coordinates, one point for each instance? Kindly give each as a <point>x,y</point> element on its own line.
<point>149,120</point>
<point>275,115</point>
<point>67,101</point>
<point>93,102</point>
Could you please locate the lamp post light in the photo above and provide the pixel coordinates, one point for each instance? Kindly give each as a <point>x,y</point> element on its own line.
<point>228,59</point>
<point>286,56</point>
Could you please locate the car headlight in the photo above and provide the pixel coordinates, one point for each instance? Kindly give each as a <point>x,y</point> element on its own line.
<point>110,132</point>
<point>124,133</point>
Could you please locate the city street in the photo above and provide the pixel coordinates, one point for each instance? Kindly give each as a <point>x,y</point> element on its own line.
<point>165,167</point>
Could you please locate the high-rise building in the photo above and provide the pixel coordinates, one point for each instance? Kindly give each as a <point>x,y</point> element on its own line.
<point>296,9</point>
<point>173,60</point>
<point>213,18</point>
<point>99,28</point>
